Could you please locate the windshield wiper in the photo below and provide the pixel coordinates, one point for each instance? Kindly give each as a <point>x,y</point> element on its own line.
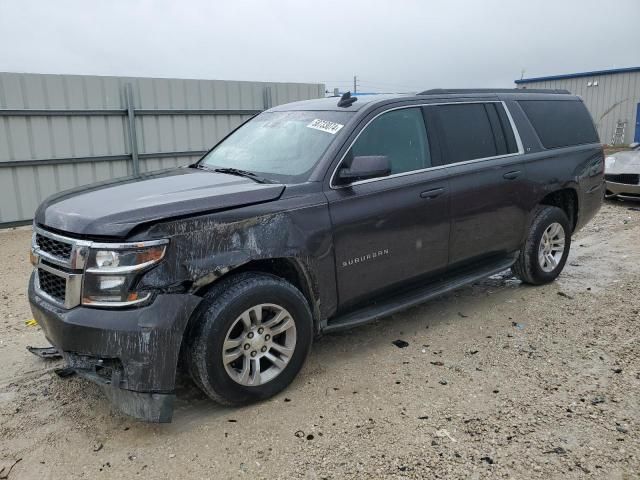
<point>237,172</point>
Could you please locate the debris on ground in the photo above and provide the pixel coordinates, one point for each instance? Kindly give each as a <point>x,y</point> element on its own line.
<point>65,372</point>
<point>6,470</point>
<point>31,323</point>
<point>400,343</point>
<point>50,353</point>
<point>556,450</point>
<point>443,433</point>
<point>565,295</point>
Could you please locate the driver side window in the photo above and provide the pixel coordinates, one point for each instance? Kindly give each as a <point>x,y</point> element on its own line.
<point>400,135</point>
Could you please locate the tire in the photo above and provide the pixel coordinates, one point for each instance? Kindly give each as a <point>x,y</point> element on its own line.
<point>221,321</point>
<point>530,267</point>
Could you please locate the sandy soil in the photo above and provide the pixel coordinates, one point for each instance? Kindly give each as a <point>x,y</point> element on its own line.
<point>499,380</point>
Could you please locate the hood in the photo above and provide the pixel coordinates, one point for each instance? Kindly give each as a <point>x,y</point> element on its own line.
<point>625,162</point>
<point>115,207</point>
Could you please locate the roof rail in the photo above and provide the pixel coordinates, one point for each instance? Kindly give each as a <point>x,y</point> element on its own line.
<point>451,91</point>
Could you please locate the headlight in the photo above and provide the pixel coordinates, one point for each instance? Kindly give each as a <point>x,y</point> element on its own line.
<point>113,271</point>
<point>609,162</point>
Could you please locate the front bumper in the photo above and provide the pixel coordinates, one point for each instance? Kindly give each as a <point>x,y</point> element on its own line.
<point>133,353</point>
<point>623,189</point>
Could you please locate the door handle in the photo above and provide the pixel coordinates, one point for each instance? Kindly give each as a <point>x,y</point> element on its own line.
<point>433,193</point>
<point>512,175</point>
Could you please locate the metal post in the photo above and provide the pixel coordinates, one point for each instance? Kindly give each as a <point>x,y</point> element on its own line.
<point>133,141</point>
<point>267,98</point>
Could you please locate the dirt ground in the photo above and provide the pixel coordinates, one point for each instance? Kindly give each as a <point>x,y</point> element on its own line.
<point>499,380</point>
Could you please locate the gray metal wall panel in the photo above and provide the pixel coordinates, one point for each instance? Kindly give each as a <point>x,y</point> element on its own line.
<point>615,98</point>
<point>28,137</point>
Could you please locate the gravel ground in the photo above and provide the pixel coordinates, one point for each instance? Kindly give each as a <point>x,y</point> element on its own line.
<point>498,380</point>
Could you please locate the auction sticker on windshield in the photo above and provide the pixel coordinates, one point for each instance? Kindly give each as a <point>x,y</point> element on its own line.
<point>325,126</point>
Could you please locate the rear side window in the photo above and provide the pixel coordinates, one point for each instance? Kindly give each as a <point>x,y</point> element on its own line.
<point>560,123</point>
<point>466,132</point>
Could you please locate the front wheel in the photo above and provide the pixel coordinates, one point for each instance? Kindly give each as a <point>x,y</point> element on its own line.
<point>250,338</point>
<point>546,248</point>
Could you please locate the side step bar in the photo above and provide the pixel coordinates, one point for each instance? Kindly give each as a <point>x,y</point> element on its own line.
<point>415,296</point>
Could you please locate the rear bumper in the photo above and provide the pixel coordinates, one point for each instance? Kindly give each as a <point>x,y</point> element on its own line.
<point>132,353</point>
<point>623,189</point>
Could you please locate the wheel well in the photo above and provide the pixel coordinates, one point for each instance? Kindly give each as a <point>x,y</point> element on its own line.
<point>284,268</point>
<point>567,200</point>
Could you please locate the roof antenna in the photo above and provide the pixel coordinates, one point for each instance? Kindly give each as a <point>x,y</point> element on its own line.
<point>347,100</point>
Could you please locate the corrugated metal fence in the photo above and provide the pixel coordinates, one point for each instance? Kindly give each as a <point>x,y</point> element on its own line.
<point>63,131</point>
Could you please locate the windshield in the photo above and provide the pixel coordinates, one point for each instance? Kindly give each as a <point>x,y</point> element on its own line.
<point>282,146</point>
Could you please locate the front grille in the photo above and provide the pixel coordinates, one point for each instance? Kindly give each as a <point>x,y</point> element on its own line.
<point>53,247</point>
<point>52,285</point>
<point>626,178</point>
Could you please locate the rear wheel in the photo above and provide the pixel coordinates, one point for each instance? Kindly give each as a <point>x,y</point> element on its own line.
<point>250,338</point>
<point>546,248</point>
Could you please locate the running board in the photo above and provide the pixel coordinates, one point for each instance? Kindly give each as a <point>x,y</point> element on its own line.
<point>415,296</point>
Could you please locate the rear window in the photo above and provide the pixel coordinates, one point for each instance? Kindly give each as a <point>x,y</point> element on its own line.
<point>560,123</point>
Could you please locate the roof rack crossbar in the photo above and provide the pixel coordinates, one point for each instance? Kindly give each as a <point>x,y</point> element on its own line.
<point>453,91</point>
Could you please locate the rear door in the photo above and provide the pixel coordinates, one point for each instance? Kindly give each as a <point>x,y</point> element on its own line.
<point>393,229</point>
<point>486,177</point>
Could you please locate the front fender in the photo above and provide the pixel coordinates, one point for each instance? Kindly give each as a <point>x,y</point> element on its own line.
<point>204,249</point>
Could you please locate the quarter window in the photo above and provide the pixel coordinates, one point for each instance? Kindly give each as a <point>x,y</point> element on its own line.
<point>560,123</point>
<point>399,135</point>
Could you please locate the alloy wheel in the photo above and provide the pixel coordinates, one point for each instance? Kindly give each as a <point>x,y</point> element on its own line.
<point>259,344</point>
<point>551,247</point>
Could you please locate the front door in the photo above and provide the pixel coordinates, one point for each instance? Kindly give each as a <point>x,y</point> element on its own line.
<point>393,229</point>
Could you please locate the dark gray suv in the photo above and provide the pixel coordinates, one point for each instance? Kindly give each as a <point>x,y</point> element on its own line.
<point>311,217</point>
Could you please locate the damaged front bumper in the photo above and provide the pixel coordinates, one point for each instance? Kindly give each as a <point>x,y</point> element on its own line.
<point>623,189</point>
<point>132,353</point>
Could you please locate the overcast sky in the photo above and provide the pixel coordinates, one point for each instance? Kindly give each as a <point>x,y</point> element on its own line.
<point>392,46</point>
